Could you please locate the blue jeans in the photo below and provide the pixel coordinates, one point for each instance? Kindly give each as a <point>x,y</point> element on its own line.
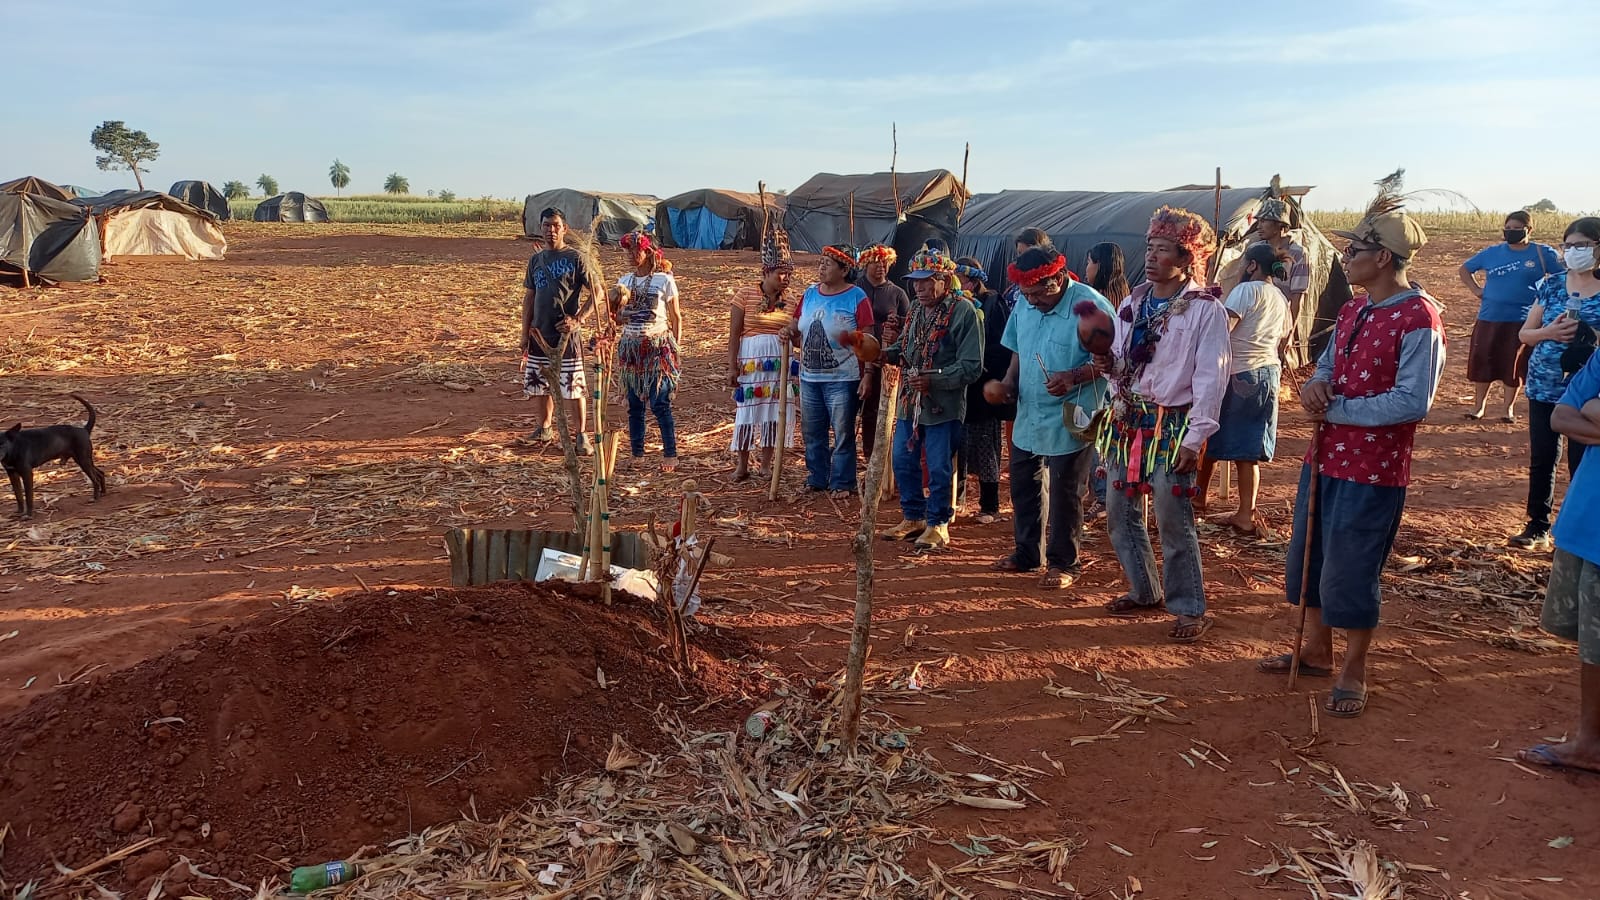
<point>660,404</point>
<point>1097,476</point>
<point>825,406</point>
<point>938,443</point>
<point>1180,545</point>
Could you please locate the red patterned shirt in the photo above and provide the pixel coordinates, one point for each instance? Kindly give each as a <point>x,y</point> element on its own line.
<point>1383,361</point>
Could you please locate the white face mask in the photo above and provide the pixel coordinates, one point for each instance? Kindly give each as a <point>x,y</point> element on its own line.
<point>1580,259</point>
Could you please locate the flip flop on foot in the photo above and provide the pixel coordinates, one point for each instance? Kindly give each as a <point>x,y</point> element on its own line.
<point>1126,607</point>
<point>1549,756</point>
<point>1189,632</point>
<point>739,476</point>
<point>1279,665</point>
<point>1473,416</point>
<point>1055,579</point>
<point>1346,704</point>
<point>1010,564</point>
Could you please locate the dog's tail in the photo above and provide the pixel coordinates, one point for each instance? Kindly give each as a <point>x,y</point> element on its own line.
<point>89,425</point>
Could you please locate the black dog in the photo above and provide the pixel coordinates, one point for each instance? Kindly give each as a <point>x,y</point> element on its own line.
<point>24,449</point>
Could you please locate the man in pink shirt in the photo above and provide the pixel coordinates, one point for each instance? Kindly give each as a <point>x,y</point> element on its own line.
<point>1168,371</point>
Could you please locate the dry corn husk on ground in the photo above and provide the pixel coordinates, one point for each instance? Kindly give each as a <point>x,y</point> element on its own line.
<point>783,815</point>
<point>1342,869</point>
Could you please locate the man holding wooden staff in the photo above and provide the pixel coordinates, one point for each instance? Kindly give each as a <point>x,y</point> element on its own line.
<point>941,352</point>
<point>1050,369</point>
<point>557,278</point>
<point>1375,381</point>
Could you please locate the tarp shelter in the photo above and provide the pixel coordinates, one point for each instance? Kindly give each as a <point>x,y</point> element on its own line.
<point>291,207</point>
<point>51,240</point>
<point>36,186</point>
<point>150,223</point>
<point>818,213</point>
<point>712,219</point>
<point>618,213</point>
<point>203,195</point>
<point>1077,220</point>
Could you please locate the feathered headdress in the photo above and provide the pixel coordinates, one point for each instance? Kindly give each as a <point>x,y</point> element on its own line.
<point>879,253</point>
<point>775,249</point>
<point>638,240</point>
<point>1189,231</point>
<point>843,254</point>
<point>1386,223</point>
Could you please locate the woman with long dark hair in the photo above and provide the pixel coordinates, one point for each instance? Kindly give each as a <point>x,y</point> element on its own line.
<point>1561,328</point>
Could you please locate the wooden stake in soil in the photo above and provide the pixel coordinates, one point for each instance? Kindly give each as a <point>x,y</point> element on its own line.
<point>861,631</point>
<point>782,431</point>
<point>1305,552</point>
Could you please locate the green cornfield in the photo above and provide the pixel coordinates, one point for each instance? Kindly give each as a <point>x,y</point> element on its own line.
<point>1546,224</point>
<point>404,209</point>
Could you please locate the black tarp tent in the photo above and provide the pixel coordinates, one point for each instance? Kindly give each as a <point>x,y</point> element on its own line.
<point>714,219</point>
<point>49,239</point>
<point>202,195</point>
<point>818,213</point>
<point>1077,220</point>
<point>291,207</point>
<point>36,186</point>
<point>618,213</point>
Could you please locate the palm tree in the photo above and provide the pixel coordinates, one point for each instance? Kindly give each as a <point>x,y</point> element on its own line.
<point>339,175</point>
<point>236,190</point>
<point>268,185</point>
<point>396,184</point>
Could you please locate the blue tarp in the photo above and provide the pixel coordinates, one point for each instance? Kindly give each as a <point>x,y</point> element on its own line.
<point>698,229</point>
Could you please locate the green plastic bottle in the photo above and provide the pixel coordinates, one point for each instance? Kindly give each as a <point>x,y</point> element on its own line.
<point>306,879</point>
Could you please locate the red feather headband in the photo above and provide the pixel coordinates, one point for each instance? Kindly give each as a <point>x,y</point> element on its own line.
<point>879,253</point>
<point>841,256</point>
<point>1033,276</point>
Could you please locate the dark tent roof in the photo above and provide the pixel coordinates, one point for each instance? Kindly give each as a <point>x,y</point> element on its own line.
<point>30,185</point>
<point>1077,220</point>
<point>291,207</point>
<point>202,195</point>
<point>818,212</point>
<point>120,200</point>
<point>713,219</point>
<point>618,213</point>
<point>51,239</point>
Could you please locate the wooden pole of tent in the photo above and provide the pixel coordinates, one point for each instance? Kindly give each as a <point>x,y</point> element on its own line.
<point>25,282</point>
<point>866,535</point>
<point>966,155</point>
<point>850,207</point>
<point>894,178</point>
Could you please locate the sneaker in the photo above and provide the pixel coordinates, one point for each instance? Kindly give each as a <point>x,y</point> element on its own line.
<point>584,447</point>
<point>543,436</point>
<point>1532,538</point>
<point>906,530</point>
<point>936,537</point>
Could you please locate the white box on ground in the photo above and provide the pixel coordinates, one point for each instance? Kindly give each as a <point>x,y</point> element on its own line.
<point>555,564</point>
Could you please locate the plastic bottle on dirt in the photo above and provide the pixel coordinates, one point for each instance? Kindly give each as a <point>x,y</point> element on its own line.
<point>306,879</point>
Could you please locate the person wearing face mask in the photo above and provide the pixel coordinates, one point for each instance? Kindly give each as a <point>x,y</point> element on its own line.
<point>1510,270</point>
<point>1168,371</point>
<point>1560,327</point>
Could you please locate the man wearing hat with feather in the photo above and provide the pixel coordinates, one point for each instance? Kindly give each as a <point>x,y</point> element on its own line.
<point>1169,370</point>
<point>1375,381</point>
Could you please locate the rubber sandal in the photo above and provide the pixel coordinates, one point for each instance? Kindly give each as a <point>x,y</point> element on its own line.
<point>1200,629</point>
<point>1010,564</point>
<point>1055,579</point>
<point>1279,665</point>
<point>1338,695</point>
<point>1124,607</point>
<point>1544,756</point>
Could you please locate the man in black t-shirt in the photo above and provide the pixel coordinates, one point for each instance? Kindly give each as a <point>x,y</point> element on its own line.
<point>553,306</point>
<point>888,299</point>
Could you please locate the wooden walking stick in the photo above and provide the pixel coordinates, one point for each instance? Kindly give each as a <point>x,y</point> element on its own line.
<point>861,631</point>
<point>1305,552</point>
<point>782,431</point>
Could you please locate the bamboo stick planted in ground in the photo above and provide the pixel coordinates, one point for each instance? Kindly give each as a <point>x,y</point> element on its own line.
<point>782,439</point>
<point>860,633</point>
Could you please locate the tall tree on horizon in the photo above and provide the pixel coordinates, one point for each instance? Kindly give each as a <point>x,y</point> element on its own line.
<point>339,175</point>
<point>268,185</point>
<point>123,148</point>
<point>396,184</point>
<point>236,190</point>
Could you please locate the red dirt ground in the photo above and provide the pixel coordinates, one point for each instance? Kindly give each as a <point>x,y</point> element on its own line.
<point>277,429</point>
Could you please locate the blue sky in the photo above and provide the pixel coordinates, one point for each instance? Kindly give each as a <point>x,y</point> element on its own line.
<point>1497,100</point>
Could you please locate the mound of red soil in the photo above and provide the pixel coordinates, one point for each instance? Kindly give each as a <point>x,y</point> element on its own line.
<point>300,736</point>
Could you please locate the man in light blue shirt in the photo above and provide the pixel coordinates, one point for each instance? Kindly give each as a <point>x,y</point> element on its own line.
<point>1572,600</point>
<point>1052,377</point>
